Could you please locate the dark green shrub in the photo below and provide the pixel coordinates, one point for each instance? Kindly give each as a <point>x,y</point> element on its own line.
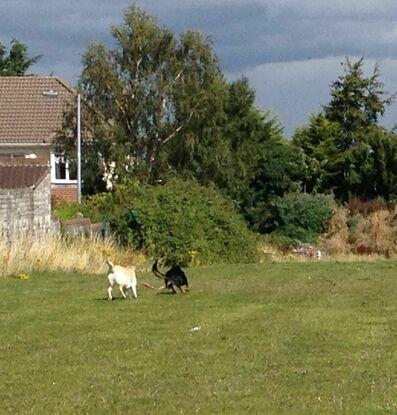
<point>69,210</point>
<point>91,207</point>
<point>301,216</point>
<point>65,210</point>
<point>181,221</point>
<point>280,241</point>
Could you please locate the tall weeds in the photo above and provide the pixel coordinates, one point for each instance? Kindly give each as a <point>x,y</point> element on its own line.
<point>336,239</point>
<point>365,234</point>
<point>53,253</point>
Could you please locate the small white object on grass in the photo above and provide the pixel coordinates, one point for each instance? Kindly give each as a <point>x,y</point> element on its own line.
<point>195,328</point>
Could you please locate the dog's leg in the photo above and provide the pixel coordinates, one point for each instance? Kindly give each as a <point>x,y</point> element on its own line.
<point>133,288</point>
<point>110,298</point>
<point>182,290</point>
<point>173,289</point>
<point>122,291</point>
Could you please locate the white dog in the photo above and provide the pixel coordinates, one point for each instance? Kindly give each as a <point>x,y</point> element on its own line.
<point>125,277</point>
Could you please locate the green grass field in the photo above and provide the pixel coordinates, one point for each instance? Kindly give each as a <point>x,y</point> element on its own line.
<point>293,338</point>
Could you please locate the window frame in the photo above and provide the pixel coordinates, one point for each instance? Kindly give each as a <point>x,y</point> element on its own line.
<point>54,160</point>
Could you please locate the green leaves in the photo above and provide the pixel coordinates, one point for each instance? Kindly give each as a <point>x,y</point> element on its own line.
<point>147,93</point>
<point>347,152</point>
<point>158,106</point>
<point>302,216</point>
<point>182,221</point>
<point>357,101</point>
<point>17,62</point>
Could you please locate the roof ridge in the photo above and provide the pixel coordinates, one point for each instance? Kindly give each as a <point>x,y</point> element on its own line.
<point>57,78</point>
<point>65,84</point>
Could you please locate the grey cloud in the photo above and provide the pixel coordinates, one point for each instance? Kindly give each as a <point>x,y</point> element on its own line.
<point>293,90</point>
<point>250,33</point>
<point>288,48</point>
<point>246,33</point>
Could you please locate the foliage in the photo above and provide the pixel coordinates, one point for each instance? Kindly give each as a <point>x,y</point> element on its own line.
<point>16,62</point>
<point>366,170</point>
<point>322,157</point>
<point>347,152</point>
<point>301,216</point>
<point>142,94</point>
<point>182,222</point>
<point>376,164</point>
<point>357,101</point>
<point>280,170</point>
<point>254,137</point>
<point>66,210</point>
<point>158,106</point>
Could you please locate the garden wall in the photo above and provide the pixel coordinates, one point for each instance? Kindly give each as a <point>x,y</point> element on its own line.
<point>25,211</point>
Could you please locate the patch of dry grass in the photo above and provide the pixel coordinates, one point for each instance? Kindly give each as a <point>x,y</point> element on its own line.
<point>54,253</point>
<point>355,235</point>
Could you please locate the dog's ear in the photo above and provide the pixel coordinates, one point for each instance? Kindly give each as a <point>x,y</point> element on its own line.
<point>109,262</point>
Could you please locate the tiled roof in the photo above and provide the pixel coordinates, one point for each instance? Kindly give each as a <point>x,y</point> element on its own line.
<point>31,108</point>
<point>16,173</point>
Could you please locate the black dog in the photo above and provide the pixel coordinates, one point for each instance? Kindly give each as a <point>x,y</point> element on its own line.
<point>173,278</point>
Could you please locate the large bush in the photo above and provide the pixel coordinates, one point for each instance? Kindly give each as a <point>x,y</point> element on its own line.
<point>301,216</point>
<point>181,221</point>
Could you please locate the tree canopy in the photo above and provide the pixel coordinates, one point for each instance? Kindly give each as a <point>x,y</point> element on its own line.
<point>158,105</point>
<point>15,62</point>
<point>357,101</point>
<point>347,151</point>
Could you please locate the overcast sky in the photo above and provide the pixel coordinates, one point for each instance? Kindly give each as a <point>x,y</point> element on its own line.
<point>290,49</point>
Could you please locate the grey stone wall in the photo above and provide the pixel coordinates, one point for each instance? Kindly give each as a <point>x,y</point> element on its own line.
<point>84,226</point>
<point>26,212</point>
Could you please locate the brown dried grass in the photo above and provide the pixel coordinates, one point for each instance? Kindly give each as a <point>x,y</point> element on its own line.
<point>60,254</point>
<point>355,236</point>
<point>335,242</point>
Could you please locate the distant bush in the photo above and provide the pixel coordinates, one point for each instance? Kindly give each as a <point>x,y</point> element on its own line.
<point>70,210</point>
<point>301,216</point>
<point>281,242</point>
<point>65,210</point>
<point>181,221</point>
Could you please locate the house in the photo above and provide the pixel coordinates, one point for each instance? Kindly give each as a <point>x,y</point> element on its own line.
<point>31,111</point>
<point>25,197</point>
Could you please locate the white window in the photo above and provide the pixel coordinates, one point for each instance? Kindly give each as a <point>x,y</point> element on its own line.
<point>61,171</point>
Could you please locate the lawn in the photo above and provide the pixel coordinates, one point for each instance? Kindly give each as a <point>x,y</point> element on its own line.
<point>292,338</point>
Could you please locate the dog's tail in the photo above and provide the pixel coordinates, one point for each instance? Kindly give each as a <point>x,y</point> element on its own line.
<point>110,263</point>
<point>156,271</point>
<point>149,286</point>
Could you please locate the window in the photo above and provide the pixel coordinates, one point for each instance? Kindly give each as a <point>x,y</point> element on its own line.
<point>60,170</point>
